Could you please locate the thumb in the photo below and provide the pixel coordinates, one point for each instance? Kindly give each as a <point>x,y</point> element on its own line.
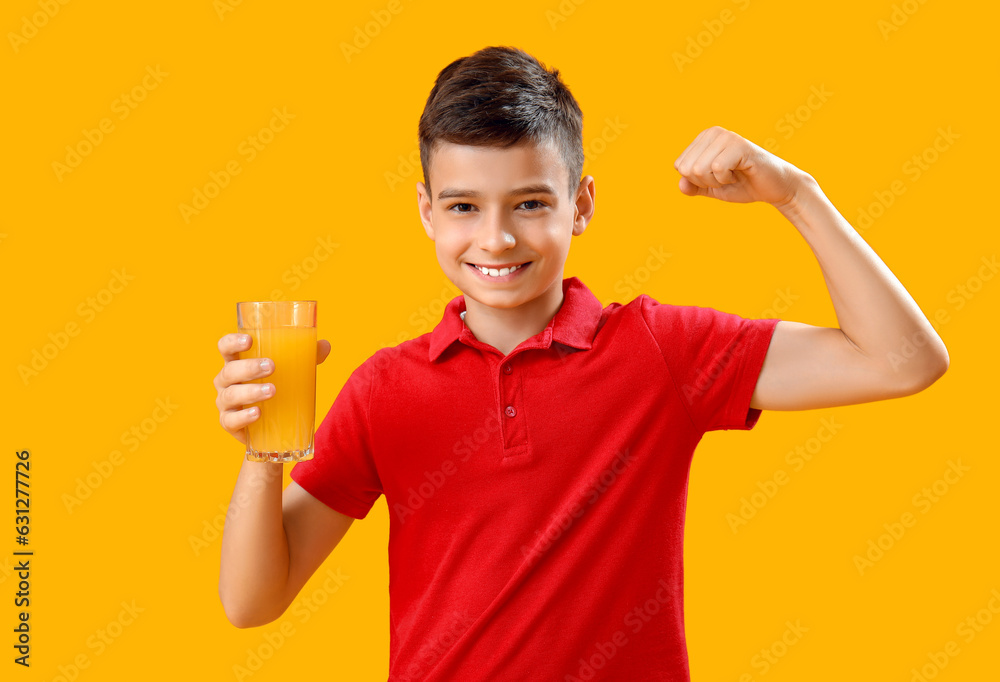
<point>322,351</point>
<point>692,190</point>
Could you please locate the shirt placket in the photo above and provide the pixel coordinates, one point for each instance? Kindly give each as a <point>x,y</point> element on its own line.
<point>508,373</point>
<point>513,413</point>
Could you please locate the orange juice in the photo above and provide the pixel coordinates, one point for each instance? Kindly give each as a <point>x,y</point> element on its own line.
<point>286,420</point>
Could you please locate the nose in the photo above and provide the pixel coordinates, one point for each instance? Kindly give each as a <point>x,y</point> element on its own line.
<point>495,235</point>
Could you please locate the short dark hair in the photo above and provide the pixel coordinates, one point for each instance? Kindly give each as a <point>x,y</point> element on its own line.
<point>499,97</point>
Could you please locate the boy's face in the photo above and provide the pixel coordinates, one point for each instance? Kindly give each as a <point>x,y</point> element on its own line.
<point>502,207</point>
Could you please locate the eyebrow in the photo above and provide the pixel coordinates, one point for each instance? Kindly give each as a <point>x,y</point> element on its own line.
<point>453,193</point>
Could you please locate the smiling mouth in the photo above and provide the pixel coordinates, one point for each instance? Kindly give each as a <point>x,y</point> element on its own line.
<point>499,272</point>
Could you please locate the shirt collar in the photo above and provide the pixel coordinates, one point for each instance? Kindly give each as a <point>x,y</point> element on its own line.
<point>574,324</point>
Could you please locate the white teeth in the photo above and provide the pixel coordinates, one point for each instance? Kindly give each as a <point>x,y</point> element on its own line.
<point>493,272</point>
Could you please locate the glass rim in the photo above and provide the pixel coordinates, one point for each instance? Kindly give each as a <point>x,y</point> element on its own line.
<point>284,302</point>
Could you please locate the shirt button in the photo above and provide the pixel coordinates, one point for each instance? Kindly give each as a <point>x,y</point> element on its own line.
<point>507,369</point>
<point>510,411</point>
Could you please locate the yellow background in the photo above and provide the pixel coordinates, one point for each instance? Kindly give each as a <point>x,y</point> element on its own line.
<point>324,177</point>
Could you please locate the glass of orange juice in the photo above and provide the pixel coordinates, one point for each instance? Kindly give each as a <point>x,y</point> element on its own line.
<point>284,331</point>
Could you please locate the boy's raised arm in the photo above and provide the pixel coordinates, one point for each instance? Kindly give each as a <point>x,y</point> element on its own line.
<point>272,544</point>
<point>273,539</point>
<point>809,367</point>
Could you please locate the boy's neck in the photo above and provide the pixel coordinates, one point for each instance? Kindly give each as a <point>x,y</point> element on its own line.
<point>506,328</point>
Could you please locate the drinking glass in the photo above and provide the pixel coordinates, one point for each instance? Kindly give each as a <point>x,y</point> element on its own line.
<point>285,332</point>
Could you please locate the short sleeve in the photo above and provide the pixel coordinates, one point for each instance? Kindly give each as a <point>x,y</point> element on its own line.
<point>714,359</point>
<point>342,472</point>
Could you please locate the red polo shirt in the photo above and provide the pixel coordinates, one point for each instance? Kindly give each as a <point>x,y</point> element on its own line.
<point>537,500</point>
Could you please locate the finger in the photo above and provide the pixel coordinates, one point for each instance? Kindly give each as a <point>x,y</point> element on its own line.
<point>693,142</point>
<point>322,351</point>
<point>693,153</point>
<point>697,168</point>
<point>230,345</point>
<point>719,158</point>
<point>732,158</point>
<point>711,168</point>
<point>234,420</point>
<point>240,371</point>
<point>693,150</point>
<point>689,188</point>
<point>723,175</point>
<point>234,397</point>
<point>680,156</point>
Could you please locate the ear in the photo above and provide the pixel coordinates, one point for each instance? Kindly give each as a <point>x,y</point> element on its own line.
<point>583,211</point>
<point>424,208</point>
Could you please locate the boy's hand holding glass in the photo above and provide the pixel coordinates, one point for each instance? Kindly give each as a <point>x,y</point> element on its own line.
<point>267,386</point>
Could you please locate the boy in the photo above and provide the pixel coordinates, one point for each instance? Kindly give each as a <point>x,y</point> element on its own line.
<point>534,447</point>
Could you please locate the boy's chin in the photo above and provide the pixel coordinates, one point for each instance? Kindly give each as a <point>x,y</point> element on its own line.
<point>499,299</point>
